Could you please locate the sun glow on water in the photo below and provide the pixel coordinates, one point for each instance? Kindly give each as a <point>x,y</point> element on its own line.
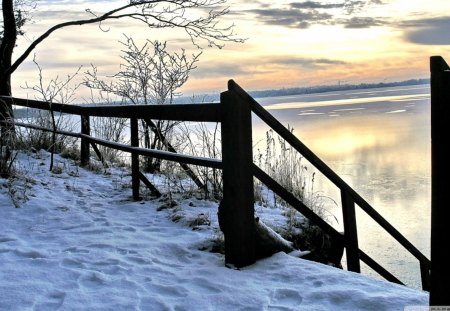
<point>347,101</point>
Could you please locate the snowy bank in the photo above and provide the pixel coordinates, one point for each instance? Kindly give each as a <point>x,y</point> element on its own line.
<point>78,242</point>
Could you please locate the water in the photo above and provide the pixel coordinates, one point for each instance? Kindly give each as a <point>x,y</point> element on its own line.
<point>378,141</point>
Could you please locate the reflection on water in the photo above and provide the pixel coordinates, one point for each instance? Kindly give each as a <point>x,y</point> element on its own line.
<point>378,141</point>
<point>347,101</point>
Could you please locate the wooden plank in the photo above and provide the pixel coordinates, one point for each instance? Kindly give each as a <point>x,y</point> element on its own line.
<point>440,172</point>
<point>149,185</point>
<point>99,154</point>
<point>30,103</point>
<point>425,276</point>
<point>378,268</point>
<point>205,112</point>
<point>190,112</point>
<point>165,155</point>
<point>86,131</point>
<point>350,232</point>
<point>135,181</point>
<point>236,211</point>
<point>45,129</point>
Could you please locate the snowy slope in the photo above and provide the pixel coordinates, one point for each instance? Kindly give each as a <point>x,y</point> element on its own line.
<point>78,242</point>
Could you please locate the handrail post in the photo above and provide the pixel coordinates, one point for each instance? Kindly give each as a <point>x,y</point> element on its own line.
<point>85,152</point>
<point>440,174</point>
<point>236,211</point>
<point>425,275</point>
<point>134,133</point>
<point>350,232</point>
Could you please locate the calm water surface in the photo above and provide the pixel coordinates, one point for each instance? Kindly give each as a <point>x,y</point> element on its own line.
<point>378,141</point>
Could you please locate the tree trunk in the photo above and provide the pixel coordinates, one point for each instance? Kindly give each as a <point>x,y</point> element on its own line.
<point>8,42</point>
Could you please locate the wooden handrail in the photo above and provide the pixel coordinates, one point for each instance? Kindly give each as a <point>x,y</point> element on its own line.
<point>44,129</point>
<point>164,155</point>
<point>348,191</point>
<point>30,103</point>
<point>378,268</point>
<point>206,112</point>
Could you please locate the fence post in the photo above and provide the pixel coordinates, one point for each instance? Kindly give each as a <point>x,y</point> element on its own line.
<point>236,211</point>
<point>350,232</point>
<point>440,174</point>
<point>134,133</point>
<point>85,152</point>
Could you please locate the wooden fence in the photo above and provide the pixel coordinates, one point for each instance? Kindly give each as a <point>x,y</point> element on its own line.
<point>236,211</point>
<point>440,172</point>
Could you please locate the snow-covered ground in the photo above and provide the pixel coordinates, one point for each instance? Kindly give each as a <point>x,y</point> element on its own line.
<point>78,242</point>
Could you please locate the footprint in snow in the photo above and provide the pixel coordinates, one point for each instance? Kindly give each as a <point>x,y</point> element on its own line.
<point>72,263</point>
<point>204,286</point>
<point>92,281</point>
<point>76,250</point>
<point>51,301</point>
<point>168,290</point>
<point>30,254</point>
<point>129,229</point>
<point>285,299</point>
<point>80,203</point>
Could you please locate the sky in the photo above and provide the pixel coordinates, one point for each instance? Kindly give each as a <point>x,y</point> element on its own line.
<point>287,43</point>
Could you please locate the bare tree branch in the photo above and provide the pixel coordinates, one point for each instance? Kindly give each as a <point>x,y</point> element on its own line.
<point>157,14</point>
<point>149,74</point>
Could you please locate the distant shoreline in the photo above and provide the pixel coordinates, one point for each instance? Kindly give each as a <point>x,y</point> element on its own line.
<point>304,90</point>
<point>333,88</point>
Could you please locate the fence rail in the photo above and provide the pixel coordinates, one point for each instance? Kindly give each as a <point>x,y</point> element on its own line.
<point>236,211</point>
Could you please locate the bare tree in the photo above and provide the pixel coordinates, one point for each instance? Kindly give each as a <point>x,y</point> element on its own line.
<point>15,15</point>
<point>56,91</point>
<point>154,13</point>
<point>150,75</point>
<point>182,14</point>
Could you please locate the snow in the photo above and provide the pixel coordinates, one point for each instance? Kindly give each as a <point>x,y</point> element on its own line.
<point>79,242</point>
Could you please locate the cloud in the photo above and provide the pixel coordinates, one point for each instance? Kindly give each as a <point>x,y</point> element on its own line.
<point>315,5</point>
<point>252,66</point>
<point>293,18</point>
<point>428,31</point>
<point>249,67</point>
<point>307,62</point>
<point>355,6</point>
<point>61,15</point>
<point>211,70</point>
<point>348,6</point>
<point>303,14</point>
<point>363,22</point>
